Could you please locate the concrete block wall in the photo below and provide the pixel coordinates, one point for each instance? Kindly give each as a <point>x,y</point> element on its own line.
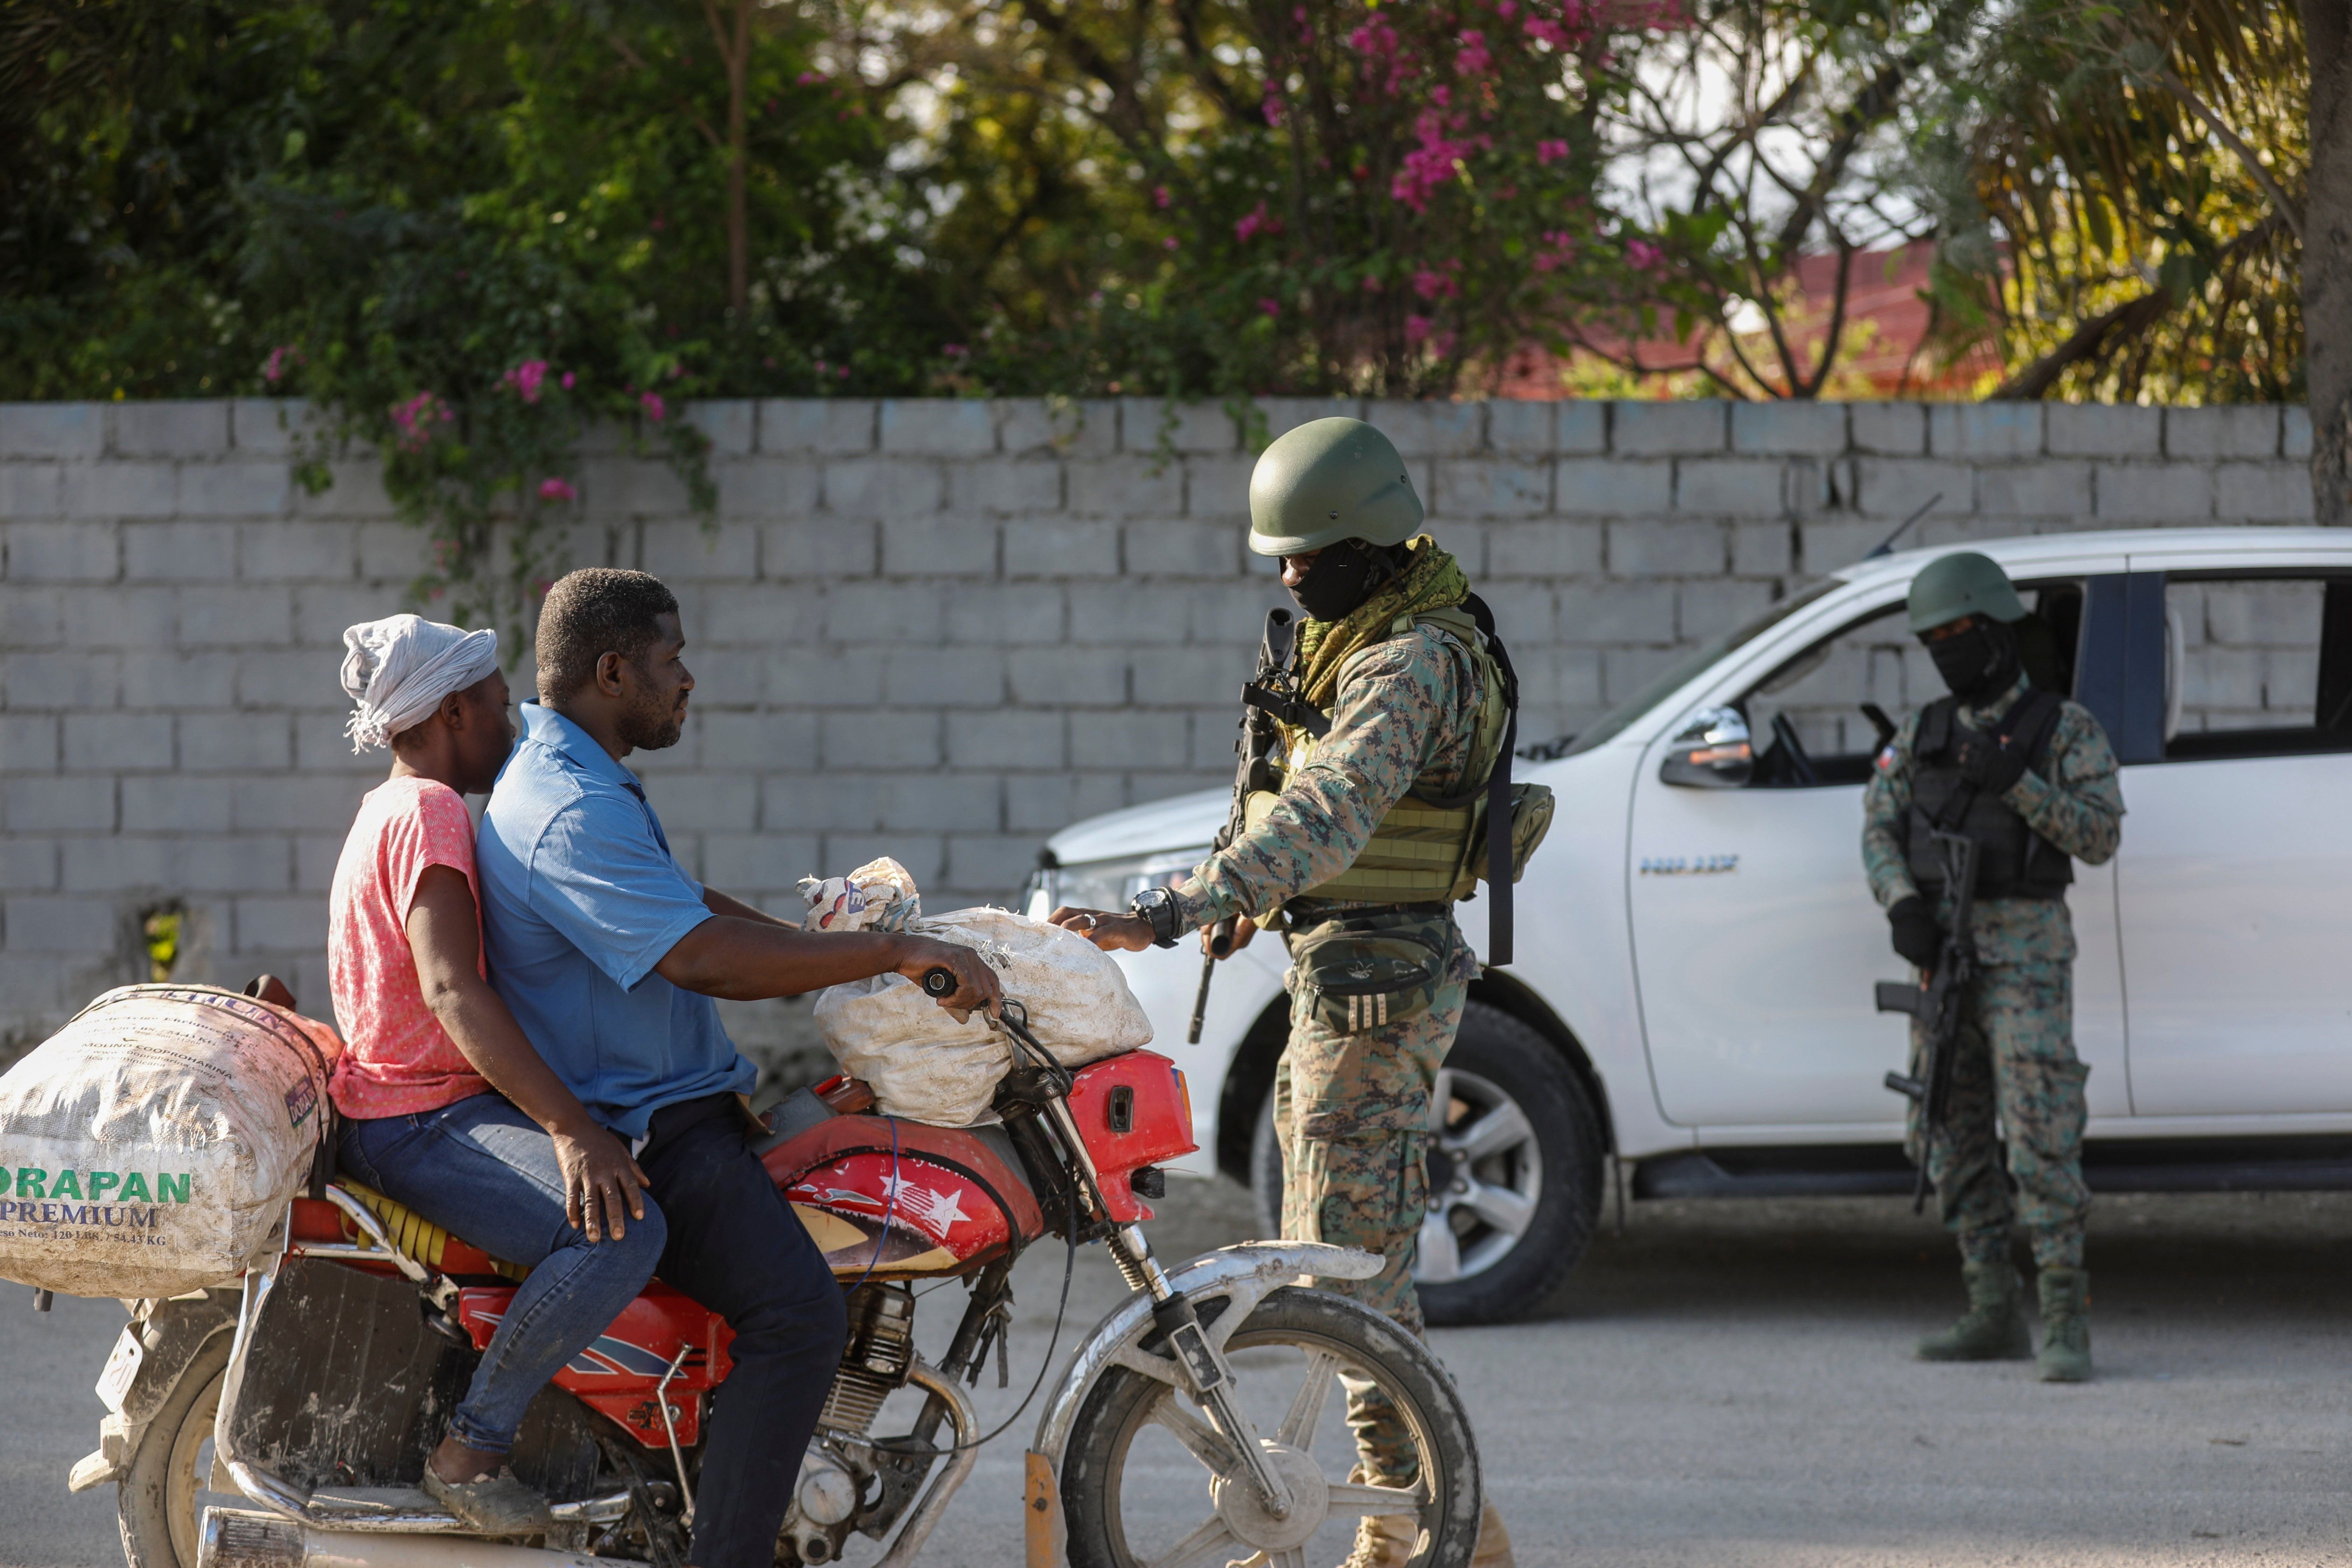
<point>930,629</point>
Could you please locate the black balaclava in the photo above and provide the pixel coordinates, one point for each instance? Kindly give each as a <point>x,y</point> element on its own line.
<point>1343,576</point>
<point>1978,663</point>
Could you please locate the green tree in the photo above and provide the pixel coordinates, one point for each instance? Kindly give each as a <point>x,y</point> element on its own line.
<point>1213,196</point>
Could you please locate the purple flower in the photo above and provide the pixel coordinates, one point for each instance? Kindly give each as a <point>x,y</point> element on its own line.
<point>1548,151</point>
<point>656,410</point>
<point>557,490</point>
<point>526,377</point>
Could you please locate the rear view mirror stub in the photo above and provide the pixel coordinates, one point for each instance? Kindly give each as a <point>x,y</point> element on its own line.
<point>1713,751</point>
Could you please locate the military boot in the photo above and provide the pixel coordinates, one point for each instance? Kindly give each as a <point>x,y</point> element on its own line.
<point>1382,1539</point>
<point>1992,1328</point>
<point>1493,1549</point>
<point>2065,1325</point>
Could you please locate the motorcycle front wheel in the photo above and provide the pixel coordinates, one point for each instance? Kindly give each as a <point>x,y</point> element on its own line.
<point>161,1500</point>
<point>1147,1482</point>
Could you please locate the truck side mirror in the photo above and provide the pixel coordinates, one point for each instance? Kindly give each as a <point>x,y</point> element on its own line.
<point>1712,753</point>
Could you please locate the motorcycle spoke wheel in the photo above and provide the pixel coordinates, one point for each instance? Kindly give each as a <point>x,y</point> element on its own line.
<point>1212,1536</point>
<point>1140,1454</point>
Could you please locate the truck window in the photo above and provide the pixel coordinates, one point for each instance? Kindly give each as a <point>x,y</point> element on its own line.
<point>2257,665</point>
<point>1812,718</point>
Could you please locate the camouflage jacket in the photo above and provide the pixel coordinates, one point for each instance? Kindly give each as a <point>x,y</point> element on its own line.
<point>1402,722</point>
<point>2079,807</point>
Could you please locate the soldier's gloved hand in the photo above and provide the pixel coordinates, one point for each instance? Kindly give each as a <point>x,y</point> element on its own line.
<point>1916,935</point>
<point>1992,768</point>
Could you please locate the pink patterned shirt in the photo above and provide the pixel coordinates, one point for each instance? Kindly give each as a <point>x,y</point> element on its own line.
<point>398,1059</point>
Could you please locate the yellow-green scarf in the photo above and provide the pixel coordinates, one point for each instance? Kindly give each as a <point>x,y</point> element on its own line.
<point>1430,581</point>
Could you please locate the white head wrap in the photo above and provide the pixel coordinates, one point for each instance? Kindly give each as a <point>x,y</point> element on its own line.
<point>399,668</point>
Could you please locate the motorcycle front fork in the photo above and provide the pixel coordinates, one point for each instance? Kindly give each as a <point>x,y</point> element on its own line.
<point>1203,1363</point>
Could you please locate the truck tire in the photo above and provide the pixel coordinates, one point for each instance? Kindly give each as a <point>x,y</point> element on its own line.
<point>1521,1209</point>
<point>161,1497</point>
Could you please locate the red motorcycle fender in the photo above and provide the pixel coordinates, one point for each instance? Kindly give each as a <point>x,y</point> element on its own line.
<point>1245,1274</point>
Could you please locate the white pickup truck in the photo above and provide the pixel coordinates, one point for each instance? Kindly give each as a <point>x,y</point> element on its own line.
<point>1692,992</point>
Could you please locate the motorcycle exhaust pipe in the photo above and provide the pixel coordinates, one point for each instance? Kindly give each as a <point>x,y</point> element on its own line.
<point>233,1538</point>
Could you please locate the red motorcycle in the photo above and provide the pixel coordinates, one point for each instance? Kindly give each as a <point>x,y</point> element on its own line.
<point>285,1424</point>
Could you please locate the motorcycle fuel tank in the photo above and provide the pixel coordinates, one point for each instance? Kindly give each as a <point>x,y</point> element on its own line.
<point>952,1202</point>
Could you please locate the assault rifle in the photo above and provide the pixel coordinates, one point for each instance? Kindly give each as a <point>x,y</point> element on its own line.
<point>1938,1005</point>
<point>1270,699</point>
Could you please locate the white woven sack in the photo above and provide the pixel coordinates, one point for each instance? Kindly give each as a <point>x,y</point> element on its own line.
<point>152,1145</point>
<point>1079,1007</point>
<point>925,1065</point>
<point>920,1063</point>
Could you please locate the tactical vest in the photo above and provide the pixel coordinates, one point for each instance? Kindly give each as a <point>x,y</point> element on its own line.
<point>2013,861</point>
<point>1429,851</point>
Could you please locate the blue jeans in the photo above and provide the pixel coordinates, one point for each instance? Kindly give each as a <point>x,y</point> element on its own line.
<point>483,1170</point>
<point>736,1246</point>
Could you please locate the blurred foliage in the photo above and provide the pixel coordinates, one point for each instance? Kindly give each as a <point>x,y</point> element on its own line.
<point>2119,185</point>
<point>1213,197</point>
<point>470,230</point>
<point>466,229</point>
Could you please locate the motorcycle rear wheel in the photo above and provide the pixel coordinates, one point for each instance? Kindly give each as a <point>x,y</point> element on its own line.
<point>161,1497</point>
<point>1104,1477</point>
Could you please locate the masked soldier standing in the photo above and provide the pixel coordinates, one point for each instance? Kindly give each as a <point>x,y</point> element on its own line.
<point>1354,858</point>
<point>2030,777</point>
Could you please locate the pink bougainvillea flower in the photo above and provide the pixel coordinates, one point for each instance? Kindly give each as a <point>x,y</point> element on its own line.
<point>525,378</point>
<point>656,410</point>
<point>1548,151</point>
<point>954,351</point>
<point>808,78</point>
<point>1161,198</point>
<point>1416,330</point>
<point>1430,164</point>
<point>1376,41</point>
<point>1270,105</point>
<point>567,381</point>
<point>557,490</point>
<point>1430,285</point>
<point>1272,307</point>
<point>282,358</point>
<point>1544,30</point>
<point>1643,253</point>
<point>1371,283</point>
<point>1256,222</point>
<point>1472,58</point>
<point>416,418</point>
<point>1506,9</point>
<point>1170,243</point>
<point>842,371</point>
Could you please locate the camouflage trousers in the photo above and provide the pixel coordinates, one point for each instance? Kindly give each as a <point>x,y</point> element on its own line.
<point>2017,1087</point>
<point>1352,1113</point>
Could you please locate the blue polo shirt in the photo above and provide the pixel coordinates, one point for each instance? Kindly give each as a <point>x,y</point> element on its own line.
<point>581,897</point>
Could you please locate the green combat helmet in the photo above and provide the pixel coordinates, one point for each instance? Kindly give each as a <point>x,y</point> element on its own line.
<point>1327,480</point>
<point>1945,589</point>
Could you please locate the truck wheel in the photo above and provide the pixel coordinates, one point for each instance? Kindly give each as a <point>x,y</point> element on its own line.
<point>1514,1174</point>
<point>160,1500</point>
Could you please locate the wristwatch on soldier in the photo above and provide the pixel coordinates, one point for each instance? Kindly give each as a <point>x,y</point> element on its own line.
<point>1156,907</point>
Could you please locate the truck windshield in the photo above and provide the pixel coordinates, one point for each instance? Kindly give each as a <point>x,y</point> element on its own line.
<point>1689,667</point>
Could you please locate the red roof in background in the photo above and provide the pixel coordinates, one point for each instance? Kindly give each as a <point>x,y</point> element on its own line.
<point>1885,318</point>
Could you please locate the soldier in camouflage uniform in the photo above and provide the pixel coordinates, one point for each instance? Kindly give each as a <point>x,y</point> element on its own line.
<point>2031,778</point>
<point>1404,681</point>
